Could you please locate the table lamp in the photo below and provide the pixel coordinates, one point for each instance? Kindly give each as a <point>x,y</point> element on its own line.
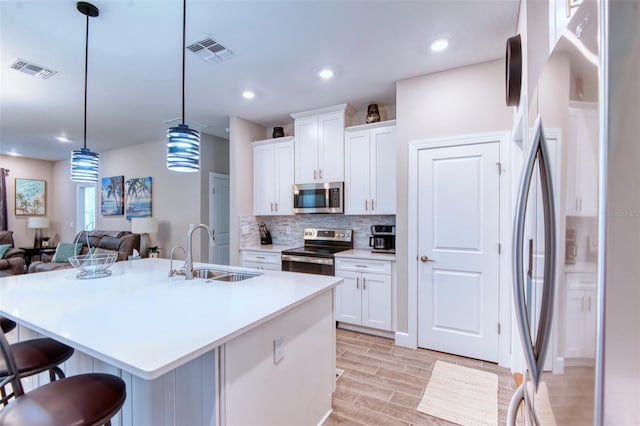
<point>37,223</point>
<point>144,226</point>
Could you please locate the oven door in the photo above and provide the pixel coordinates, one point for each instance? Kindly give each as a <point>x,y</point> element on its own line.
<point>307,264</point>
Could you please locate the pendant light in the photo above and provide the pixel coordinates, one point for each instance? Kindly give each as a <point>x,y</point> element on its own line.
<point>84,162</point>
<point>183,147</point>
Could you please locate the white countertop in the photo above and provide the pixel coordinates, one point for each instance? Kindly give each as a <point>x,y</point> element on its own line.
<point>366,254</point>
<point>269,248</point>
<point>140,320</point>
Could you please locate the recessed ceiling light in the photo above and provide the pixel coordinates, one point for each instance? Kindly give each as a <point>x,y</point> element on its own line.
<point>325,74</point>
<point>248,94</point>
<point>63,139</point>
<point>440,44</point>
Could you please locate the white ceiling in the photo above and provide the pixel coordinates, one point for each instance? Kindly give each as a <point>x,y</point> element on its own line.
<point>135,62</point>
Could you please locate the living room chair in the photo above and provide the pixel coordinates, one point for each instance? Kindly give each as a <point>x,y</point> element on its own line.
<point>12,261</point>
<point>85,399</point>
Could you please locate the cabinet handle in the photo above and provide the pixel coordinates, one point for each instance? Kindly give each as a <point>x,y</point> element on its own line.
<point>276,206</point>
<point>320,173</point>
<point>260,257</point>
<point>271,206</point>
<point>580,203</point>
<point>364,283</point>
<point>577,208</point>
<point>366,205</point>
<point>315,174</point>
<point>372,205</point>
<point>361,266</point>
<point>357,283</point>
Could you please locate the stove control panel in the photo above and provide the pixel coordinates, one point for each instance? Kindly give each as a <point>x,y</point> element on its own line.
<point>325,234</point>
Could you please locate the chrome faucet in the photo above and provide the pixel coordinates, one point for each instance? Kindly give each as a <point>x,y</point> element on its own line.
<point>174,272</point>
<point>189,260</point>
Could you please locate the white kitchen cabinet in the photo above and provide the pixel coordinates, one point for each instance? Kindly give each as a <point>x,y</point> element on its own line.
<point>580,336</point>
<point>582,160</point>
<point>560,13</point>
<point>319,145</point>
<point>370,169</point>
<point>273,177</point>
<point>268,261</point>
<point>365,296</point>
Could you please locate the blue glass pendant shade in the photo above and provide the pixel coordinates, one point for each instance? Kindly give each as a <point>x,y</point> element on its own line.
<point>183,149</point>
<point>84,166</point>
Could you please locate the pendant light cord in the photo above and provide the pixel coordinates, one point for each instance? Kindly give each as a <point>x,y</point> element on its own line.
<point>86,70</point>
<point>184,41</point>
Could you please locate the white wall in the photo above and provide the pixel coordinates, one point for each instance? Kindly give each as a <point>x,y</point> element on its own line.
<point>26,168</point>
<point>242,133</point>
<point>460,101</point>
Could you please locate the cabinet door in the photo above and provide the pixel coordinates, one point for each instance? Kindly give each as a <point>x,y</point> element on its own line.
<point>383,171</point>
<point>574,335</point>
<point>376,301</point>
<point>263,180</point>
<point>283,193</point>
<point>589,322</point>
<point>357,172</point>
<point>348,298</point>
<point>306,150</point>
<point>331,147</point>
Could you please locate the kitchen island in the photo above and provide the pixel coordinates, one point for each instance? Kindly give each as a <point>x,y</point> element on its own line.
<point>259,351</point>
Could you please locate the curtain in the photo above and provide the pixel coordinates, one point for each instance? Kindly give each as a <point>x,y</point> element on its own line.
<point>3,199</point>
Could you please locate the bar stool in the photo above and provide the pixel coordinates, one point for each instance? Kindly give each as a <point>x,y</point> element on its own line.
<point>34,357</point>
<point>85,399</point>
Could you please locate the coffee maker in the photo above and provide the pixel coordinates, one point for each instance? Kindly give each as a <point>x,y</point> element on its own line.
<point>383,239</point>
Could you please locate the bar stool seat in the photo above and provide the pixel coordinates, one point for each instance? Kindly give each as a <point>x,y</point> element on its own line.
<point>38,355</point>
<point>86,399</point>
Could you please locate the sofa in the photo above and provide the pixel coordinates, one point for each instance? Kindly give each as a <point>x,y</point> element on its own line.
<point>122,242</point>
<point>12,261</point>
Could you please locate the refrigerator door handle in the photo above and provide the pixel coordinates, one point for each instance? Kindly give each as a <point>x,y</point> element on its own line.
<point>535,351</point>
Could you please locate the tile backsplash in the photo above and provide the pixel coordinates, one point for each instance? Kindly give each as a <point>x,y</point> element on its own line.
<point>288,230</point>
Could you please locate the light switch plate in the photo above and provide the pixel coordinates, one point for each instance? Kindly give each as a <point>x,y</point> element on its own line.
<point>278,350</point>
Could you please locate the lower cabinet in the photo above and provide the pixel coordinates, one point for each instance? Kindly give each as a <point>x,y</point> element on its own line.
<point>365,296</point>
<point>267,261</point>
<point>580,336</point>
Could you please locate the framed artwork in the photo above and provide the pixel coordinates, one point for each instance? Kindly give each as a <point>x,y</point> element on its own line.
<point>138,199</point>
<point>112,196</point>
<point>31,197</point>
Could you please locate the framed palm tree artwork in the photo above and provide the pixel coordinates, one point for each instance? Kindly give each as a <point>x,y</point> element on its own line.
<point>31,197</point>
<point>138,197</point>
<point>112,196</point>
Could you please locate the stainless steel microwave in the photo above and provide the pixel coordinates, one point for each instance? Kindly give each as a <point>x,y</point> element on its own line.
<point>318,197</point>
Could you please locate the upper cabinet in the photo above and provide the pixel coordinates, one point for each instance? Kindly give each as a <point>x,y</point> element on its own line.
<point>370,169</point>
<point>273,177</point>
<point>560,13</point>
<point>582,159</point>
<point>319,144</point>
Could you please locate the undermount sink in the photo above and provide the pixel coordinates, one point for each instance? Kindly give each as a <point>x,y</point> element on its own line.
<point>217,275</point>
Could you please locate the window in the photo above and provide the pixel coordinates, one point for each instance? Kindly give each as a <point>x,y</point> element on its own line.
<point>86,214</point>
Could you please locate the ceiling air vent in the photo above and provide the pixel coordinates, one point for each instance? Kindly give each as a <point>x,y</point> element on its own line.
<point>31,68</point>
<point>209,49</point>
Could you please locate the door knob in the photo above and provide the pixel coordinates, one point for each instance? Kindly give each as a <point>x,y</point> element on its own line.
<point>425,259</point>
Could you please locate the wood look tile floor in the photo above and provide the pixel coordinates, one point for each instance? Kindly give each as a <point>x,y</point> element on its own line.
<point>382,383</point>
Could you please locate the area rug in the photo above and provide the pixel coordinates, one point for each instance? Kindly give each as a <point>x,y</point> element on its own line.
<point>461,395</point>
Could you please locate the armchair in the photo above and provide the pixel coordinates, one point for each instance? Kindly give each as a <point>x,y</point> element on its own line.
<point>12,263</point>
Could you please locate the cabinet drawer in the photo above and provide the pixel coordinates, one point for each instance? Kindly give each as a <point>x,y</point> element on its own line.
<point>581,280</point>
<point>261,266</point>
<point>364,265</point>
<point>261,257</point>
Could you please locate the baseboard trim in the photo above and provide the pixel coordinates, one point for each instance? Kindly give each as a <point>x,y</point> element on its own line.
<point>403,339</point>
<point>366,330</point>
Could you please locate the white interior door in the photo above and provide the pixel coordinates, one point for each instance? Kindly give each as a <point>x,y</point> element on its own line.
<point>458,257</point>
<point>219,217</point>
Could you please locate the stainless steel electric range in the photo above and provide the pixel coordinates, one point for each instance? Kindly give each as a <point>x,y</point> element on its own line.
<point>317,254</point>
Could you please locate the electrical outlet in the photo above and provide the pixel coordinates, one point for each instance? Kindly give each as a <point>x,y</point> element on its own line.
<point>278,350</point>
<point>288,229</point>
